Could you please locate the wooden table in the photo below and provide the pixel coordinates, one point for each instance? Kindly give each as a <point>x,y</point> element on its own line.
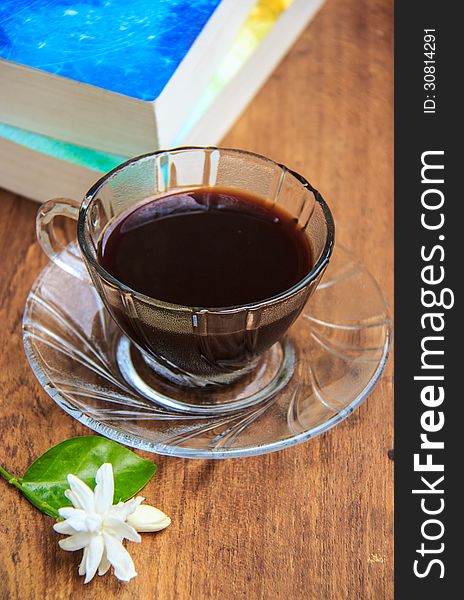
<point>311,522</point>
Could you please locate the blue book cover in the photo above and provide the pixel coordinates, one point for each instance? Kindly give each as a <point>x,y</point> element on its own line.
<point>131,47</point>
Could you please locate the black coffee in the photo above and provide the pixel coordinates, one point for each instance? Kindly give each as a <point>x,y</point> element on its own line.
<point>206,248</point>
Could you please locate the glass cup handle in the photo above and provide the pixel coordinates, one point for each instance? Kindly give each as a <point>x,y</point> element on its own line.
<point>58,252</point>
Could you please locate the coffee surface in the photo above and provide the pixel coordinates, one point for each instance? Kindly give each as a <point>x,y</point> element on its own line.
<point>206,248</point>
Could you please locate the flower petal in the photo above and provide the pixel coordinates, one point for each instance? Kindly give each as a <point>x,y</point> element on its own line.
<point>93,523</point>
<point>104,564</point>
<point>75,542</point>
<point>122,510</point>
<point>94,556</point>
<point>64,528</point>
<point>75,518</point>
<point>121,529</point>
<point>71,497</point>
<point>68,511</point>
<point>83,561</point>
<point>104,490</point>
<point>148,518</point>
<point>82,493</point>
<point>119,557</point>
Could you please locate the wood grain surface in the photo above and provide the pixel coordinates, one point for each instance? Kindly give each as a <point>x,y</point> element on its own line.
<point>311,522</point>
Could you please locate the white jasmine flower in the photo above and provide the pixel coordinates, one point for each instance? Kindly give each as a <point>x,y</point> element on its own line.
<point>98,527</point>
<point>148,518</point>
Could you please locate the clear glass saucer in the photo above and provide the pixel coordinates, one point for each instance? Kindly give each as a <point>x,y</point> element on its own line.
<point>327,365</point>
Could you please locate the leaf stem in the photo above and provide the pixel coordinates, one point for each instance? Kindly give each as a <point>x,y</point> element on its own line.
<point>10,478</point>
<point>40,504</point>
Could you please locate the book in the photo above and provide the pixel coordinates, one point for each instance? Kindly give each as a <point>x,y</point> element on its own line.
<point>268,32</point>
<point>41,176</point>
<point>115,75</point>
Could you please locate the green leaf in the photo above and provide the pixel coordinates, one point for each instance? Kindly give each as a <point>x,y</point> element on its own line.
<point>45,480</point>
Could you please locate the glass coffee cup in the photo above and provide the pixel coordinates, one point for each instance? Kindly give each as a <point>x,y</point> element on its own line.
<point>193,346</point>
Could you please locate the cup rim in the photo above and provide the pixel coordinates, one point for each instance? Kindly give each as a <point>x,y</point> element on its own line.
<point>302,283</point>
